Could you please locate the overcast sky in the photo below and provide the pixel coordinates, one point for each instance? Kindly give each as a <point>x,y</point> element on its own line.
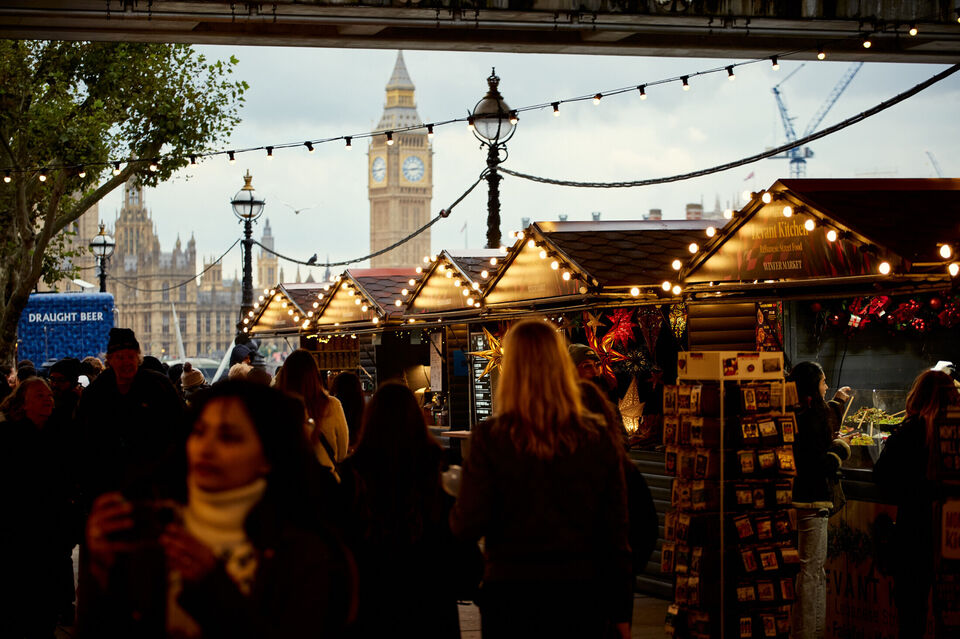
<point>300,94</point>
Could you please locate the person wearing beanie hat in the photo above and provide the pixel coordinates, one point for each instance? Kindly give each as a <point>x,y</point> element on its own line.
<point>586,361</point>
<point>191,380</point>
<point>130,417</point>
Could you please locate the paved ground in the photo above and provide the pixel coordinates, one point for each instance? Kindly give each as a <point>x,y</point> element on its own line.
<point>648,615</point>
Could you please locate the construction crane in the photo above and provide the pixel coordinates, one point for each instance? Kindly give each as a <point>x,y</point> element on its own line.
<point>798,156</point>
<point>936,165</point>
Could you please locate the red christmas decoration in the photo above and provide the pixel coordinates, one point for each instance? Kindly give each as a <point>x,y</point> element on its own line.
<point>604,350</point>
<point>622,326</point>
<point>834,320</point>
<point>816,307</point>
<point>935,303</point>
<point>950,315</point>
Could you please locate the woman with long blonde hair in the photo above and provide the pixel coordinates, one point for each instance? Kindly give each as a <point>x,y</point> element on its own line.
<point>544,485</point>
<point>907,471</point>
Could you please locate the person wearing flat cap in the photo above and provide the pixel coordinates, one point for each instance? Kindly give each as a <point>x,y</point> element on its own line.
<point>586,361</point>
<point>131,423</point>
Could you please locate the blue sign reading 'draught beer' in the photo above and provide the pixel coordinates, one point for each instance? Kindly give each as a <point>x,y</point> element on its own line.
<point>57,325</point>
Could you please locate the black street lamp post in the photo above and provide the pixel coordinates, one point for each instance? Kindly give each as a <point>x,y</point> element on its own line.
<point>493,124</point>
<point>247,207</point>
<point>102,248</point>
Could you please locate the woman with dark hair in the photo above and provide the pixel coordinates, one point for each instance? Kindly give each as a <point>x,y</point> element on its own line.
<point>36,506</point>
<point>249,558</point>
<point>642,513</point>
<point>907,471</point>
<point>347,388</point>
<point>543,483</point>
<point>397,522</point>
<point>818,456</point>
<point>329,436</point>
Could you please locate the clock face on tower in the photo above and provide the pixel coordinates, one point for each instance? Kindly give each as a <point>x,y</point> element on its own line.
<point>413,169</point>
<point>378,170</point>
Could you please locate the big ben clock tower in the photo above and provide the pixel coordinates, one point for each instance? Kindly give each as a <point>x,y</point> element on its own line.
<point>400,177</point>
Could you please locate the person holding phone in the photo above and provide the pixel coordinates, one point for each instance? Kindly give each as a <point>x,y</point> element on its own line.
<point>248,557</point>
<point>818,457</point>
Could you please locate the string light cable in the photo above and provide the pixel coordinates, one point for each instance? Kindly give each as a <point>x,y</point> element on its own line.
<point>269,149</point>
<point>119,280</point>
<point>444,213</point>
<point>883,106</point>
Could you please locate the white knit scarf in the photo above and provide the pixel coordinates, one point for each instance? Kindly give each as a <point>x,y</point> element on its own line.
<point>216,519</point>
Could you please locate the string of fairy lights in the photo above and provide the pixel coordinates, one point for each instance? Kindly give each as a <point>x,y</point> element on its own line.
<point>153,164</point>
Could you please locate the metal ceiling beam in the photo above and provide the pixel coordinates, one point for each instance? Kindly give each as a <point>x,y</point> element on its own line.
<point>642,27</point>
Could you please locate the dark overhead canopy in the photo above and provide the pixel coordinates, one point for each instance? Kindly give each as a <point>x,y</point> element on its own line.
<point>723,29</point>
<point>907,216</point>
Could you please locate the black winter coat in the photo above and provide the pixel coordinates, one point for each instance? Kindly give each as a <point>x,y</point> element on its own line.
<point>408,587</point>
<point>561,520</point>
<point>817,463</point>
<point>35,527</point>
<point>130,440</point>
<point>305,586</point>
<point>901,473</point>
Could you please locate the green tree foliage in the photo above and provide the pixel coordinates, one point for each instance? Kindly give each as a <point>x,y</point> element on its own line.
<point>64,105</point>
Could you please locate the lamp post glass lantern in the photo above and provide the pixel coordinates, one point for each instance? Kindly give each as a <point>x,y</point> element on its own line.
<point>493,124</point>
<point>102,246</point>
<point>247,207</point>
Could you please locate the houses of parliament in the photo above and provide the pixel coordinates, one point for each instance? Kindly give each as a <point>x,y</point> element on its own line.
<point>158,293</point>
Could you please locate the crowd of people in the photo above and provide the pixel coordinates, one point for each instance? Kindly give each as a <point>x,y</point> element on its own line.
<point>273,506</point>
<point>270,506</point>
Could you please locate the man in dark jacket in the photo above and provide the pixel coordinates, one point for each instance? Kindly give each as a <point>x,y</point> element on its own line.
<point>131,420</point>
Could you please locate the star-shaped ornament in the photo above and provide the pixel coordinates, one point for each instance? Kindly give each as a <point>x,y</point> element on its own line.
<point>592,321</point>
<point>493,354</point>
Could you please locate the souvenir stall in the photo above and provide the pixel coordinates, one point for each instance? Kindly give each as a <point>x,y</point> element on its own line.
<point>445,297</point>
<point>361,312</point>
<point>859,275</point>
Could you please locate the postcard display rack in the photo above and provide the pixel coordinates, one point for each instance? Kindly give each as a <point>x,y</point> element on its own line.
<point>730,536</point>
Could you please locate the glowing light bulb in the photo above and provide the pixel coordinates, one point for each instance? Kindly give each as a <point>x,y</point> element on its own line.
<point>831,236</point>
<point>711,231</point>
<point>635,291</point>
<point>810,224</point>
<point>397,302</point>
<point>728,214</point>
<point>412,282</point>
<point>555,265</point>
<point>543,254</point>
<point>493,261</point>
<point>665,286</point>
<point>946,251</point>
<point>694,247</point>
<point>788,211</point>
<point>364,308</point>
<point>676,264</point>
<point>475,286</point>
<point>953,269</point>
<point>747,196</point>
<point>484,274</point>
<point>676,290</point>
<point>766,198</point>
<point>884,268</point>
<point>566,276</point>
